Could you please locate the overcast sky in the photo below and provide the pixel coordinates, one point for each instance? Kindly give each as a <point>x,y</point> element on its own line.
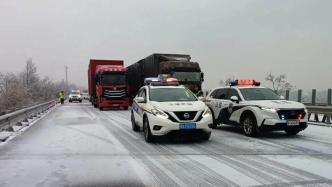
<point>233,38</point>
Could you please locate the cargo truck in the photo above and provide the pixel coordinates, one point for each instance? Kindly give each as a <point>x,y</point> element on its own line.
<point>108,84</point>
<point>177,65</point>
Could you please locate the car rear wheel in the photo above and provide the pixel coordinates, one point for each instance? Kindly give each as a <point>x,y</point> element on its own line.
<point>292,132</point>
<point>250,126</point>
<point>134,126</point>
<point>147,132</point>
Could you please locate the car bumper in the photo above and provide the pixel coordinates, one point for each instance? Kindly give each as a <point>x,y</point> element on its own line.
<point>275,125</point>
<point>75,99</point>
<point>114,103</point>
<point>167,126</point>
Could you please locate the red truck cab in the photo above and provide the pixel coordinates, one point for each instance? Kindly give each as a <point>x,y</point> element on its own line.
<point>108,84</point>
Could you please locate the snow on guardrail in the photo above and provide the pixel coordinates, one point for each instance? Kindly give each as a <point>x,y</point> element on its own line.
<point>16,120</point>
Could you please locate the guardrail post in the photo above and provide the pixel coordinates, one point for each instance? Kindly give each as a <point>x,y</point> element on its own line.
<point>299,95</point>
<point>329,95</point>
<point>287,94</point>
<point>313,97</point>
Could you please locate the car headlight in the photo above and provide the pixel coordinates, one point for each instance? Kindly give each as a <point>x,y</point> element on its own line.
<point>159,113</point>
<point>206,113</point>
<point>269,109</point>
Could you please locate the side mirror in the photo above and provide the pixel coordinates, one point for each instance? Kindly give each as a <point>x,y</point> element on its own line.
<point>282,97</point>
<point>235,99</point>
<point>139,100</point>
<point>201,98</point>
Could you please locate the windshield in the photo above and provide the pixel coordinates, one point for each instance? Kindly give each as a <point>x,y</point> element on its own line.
<point>171,94</point>
<point>75,93</point>
<point>116,79</point>
<point>187,76</point>
<point>259,94</point>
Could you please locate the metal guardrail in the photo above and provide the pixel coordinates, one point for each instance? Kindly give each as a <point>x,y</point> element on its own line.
<point>326,111</point>
<point>7,121</point>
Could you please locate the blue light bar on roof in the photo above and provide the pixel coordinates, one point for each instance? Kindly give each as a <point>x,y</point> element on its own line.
<point>149,80</point>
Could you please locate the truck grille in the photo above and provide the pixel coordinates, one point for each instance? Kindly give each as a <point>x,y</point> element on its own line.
<point>290,114</point>
<point>186,116</point>
<point>114,94</point>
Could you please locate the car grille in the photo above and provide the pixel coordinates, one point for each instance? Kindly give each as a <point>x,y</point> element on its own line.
<point>290,114</point>
<point>186,116</point>
<point>114,94</point>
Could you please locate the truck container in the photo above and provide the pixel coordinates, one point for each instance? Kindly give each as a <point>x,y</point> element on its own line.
<point>108,86</point>
<point>177,65</point>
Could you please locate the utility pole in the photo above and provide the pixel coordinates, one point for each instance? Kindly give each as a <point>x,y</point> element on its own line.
<point>66,69</point>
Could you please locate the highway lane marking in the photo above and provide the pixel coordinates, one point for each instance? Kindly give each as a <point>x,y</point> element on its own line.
<point>169,173</point>
<point>225,171</point>
<point>119,126</point>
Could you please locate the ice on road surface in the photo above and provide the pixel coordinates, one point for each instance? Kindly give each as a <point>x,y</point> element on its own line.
<point>78,145</point>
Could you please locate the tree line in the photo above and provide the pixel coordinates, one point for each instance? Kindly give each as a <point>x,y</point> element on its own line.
<point>26,88</point>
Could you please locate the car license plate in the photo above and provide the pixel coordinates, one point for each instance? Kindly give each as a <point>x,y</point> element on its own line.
<point>187,126</point>
<point>293,123</point>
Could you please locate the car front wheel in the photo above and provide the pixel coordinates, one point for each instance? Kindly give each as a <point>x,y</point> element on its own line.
<point>147,132</point>
<point>250,126</point>
<point>134,126</point>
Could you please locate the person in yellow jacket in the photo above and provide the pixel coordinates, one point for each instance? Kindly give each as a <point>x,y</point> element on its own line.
<point>62,97</point>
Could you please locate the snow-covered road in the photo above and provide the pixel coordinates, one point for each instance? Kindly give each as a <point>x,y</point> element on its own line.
<point>77,145</point>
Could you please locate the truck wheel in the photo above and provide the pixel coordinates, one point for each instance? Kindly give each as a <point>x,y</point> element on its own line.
<point>147,132</point>
<point>292,132</point>
<point>250,126</point>
<point>125,108</point>
<point>134,126</point>
<point>101,108</point>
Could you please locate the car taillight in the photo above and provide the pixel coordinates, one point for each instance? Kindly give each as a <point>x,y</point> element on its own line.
<point>300,116</point>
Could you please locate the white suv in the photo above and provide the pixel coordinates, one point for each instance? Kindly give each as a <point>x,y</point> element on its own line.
<point>160,110</point>
<point>256,109</point>
<point>75,95</point>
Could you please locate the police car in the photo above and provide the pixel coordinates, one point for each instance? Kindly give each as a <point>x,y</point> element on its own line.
<point>163,106</point>
<point>255,108</point>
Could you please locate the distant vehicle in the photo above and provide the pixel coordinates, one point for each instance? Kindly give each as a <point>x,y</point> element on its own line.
<point>177,65</point>
<point>108,84</point>
<point>75,95</point>
<point>256,109</point>
<point>85,95</point>
<point>164,107</point>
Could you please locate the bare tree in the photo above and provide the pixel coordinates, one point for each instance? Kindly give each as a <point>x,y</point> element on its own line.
<point>27,88</point>
<point>279,83</point>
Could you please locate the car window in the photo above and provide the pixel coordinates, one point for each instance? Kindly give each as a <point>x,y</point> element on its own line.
<point>143,94</point>
<point>214,93</point>
<point>222,93</point>
<point>232,92</point>
<point>171,94</point>
<point>259,94</point>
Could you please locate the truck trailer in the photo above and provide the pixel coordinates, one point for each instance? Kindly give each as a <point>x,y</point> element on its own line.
<point>177,65</point>
<point>108,84</point>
